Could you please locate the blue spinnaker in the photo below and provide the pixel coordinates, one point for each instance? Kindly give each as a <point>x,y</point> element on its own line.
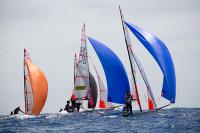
<point>116,77</point>
<point>162,56</point>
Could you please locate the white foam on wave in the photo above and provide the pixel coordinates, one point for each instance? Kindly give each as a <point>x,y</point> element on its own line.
<point>52,116</point>
<point>64,112</point>
<point>4,117</point>
<point>101,112</point>
<point>111,116</point>
<point>85,110</point>
<point>22,116</point>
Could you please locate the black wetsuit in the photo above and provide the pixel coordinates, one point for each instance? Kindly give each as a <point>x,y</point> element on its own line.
<point>16,111</point>
<point>78,106</point>
<point>68,108</point>
<point>11,113</point>
<point>73,103</point>
<point>128,102</point>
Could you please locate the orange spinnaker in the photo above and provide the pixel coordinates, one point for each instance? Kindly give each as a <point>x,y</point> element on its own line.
<point>39,87</point>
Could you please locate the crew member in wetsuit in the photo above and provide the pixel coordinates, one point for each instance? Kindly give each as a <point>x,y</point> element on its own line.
<point>68,108</point>
<point>78,106</point>
<point>17,110</point>
<point>11,113</point>
<point>128,101</point>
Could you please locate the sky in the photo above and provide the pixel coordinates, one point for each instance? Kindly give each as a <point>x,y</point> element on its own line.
<point>51,32</point>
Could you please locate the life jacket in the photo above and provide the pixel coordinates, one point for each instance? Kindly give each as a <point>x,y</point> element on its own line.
<point>73,97</point>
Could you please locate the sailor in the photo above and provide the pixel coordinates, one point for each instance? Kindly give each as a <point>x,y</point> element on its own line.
<point>78,105</point>
<point>17,110</point>
<point>11,113</point>
<point>73,101</point>
<point>128,101</point>
<point>68,108</point>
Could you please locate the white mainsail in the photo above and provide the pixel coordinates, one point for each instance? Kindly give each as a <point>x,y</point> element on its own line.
<point>82,84</point>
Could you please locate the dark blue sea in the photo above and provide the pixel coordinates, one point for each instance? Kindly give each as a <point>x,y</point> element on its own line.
<point>183,120</point>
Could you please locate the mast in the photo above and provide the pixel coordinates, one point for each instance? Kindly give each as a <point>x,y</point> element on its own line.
<point>25,90</point>
<point>82,78</point>
<point>89,93</point>
<point>74,68</point>
<point>156,47</point>
<point>84,39</point>
<point>83,62</point>
<point>130,61</point>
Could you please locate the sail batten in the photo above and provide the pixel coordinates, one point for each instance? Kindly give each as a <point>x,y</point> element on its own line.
<point>117,80</point>
<point>162,56</point>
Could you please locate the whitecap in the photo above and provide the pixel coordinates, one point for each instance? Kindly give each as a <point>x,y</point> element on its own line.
<point>64,112</point>
<point>22,116</point>
<point>111,116</point>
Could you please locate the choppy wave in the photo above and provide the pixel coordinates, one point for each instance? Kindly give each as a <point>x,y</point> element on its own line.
<point>169,120</point>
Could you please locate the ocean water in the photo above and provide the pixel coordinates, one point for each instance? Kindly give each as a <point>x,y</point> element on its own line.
<point>169,120</point>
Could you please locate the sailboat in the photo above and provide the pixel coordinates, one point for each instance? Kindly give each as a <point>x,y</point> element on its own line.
<point>35,87</point>
<point>85,87</point>
<point>116,76</point>
<point>162,56</point>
